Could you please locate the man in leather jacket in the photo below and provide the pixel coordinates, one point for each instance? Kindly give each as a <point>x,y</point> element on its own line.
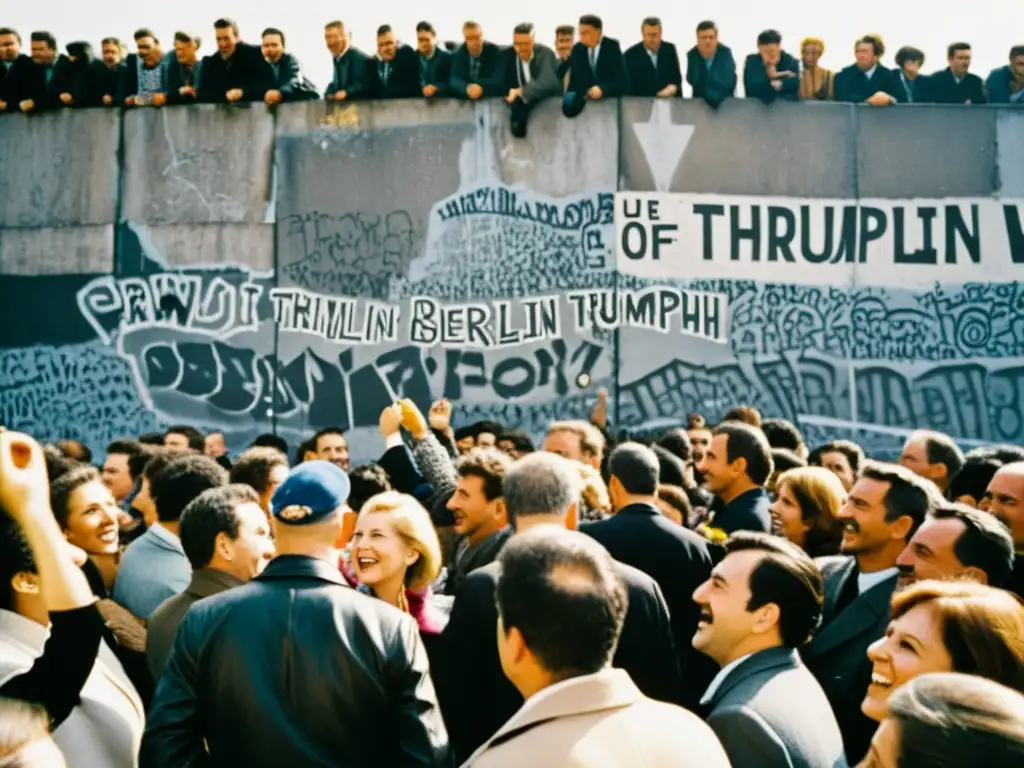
<point>296,667</point>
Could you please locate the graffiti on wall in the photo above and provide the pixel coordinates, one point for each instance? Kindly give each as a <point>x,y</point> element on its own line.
<point>860,318</point>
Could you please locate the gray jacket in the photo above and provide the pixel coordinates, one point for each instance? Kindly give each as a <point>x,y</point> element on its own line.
<point>770,712</point>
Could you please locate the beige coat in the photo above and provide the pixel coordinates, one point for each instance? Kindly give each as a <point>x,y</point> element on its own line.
<point>600,721</point>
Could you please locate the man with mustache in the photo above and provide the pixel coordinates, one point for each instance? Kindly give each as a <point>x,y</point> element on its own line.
<point>958,542</point>
<point>886,506</point>
<point>761,603</point>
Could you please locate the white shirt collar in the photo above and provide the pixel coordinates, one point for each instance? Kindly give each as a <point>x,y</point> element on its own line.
<point>869,73</point>
<point>720,678</point>
<point>866,581</point>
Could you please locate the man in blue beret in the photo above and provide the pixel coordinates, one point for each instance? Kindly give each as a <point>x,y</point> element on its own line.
<point>295,667</point>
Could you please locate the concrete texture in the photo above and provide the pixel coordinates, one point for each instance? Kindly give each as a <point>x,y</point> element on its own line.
<point>743,148</point>
<point>182,246</point>
<point>175,172</point>
<point>927,150</point>
<point>59,169</point>
<point>1010,152</point>
<point>52,251</point>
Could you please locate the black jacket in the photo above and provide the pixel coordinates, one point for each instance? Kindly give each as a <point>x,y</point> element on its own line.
<point>644,80</point>
<point>403,78</point>
<point>944,89</point>
<point>716,84</point>
<point>107,81</point>
<point>437,71</point>
<point>853,85</point>
<point>679,561</point>
<point>838,653</point>
<point>489,76</point>
<point>610,75</point>
<point>351,72</point>
<point>757,85</point>
<point>290,81</point>
<point>178,76</point>
<point>476,697</point>
<point>27,80</point>
<point>246,69</point>
<point>295,668</point>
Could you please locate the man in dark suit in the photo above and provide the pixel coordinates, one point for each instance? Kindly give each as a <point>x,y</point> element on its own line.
<point>237,72</point>
<point>41,82</point>
<point>351,66</point>
<point>761,603</point>
<point>12,60</point>
<point>476,697</point>
<point>710,67</point>
<point>597,69</point>
<point>867,81</point>
<point>771,74</point>
<point>885,507</point>
<point>675,557</point>
<point>476,66</point>
<point>735,467</point>
<point>530,75</point>
<point>653,64</point>
<point>289,82</point>
<point>394,73</point>
<point>909,61</point>
<point>112,52</point>
<point>183,69</point>
<point>435,62</point>
<point>954,84</point>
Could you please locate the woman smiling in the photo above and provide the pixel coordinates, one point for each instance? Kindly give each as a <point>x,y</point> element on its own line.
<point>940,626</point>
<point>396,556</point>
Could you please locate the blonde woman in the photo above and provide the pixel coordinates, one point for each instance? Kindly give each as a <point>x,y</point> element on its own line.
<point>396,556</point>
<point>806,508</point>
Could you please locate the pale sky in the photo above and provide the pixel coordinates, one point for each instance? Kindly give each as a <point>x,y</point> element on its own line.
<point>990,26</point>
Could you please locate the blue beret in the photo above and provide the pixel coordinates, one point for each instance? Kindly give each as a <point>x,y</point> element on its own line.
<point>312,490</point>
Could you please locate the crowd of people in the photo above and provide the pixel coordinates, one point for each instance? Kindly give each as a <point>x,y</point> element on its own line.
<point>717,595</point>
<point>593,67</point>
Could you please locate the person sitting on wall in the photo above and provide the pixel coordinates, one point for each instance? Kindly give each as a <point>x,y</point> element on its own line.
<point>530,75</point>
<point>954,84</point>
<point>289,82</point>
<point>653,64</point>
<point>237,72</point>
<point>771,74</point>
<point>394,73</point>
<point>867,81</point>
<point>597,69</point>
<point>475,65</point>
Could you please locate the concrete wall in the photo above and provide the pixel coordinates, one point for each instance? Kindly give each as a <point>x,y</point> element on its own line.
<point>168,265</point>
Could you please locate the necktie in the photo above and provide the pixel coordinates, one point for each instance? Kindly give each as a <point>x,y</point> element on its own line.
<point>519,71</point>
<point>593,59</point>
<point>385,72</point>
<point>474,69</point>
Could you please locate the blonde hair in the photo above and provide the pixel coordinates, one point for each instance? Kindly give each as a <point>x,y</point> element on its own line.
<point>591,439</point>
<point>593,490</point>
<point>820,495</point>
<point>412,522</point>
<point>812,41</point>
